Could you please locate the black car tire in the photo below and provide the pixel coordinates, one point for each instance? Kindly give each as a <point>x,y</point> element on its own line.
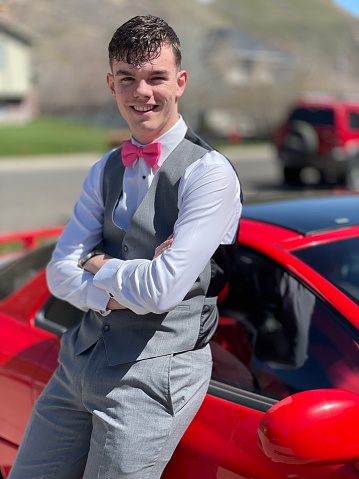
<point>352,173</point>
<point>291,176</point>
<point>300,139</point>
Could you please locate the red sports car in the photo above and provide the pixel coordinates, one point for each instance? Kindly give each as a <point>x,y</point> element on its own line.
<point>284,396</point>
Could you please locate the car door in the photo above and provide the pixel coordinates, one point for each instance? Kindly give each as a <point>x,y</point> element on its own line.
<point>23,347</point>
<point>22,353</point>
<point>275,338</point>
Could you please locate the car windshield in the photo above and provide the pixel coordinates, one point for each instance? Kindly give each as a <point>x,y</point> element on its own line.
<point>16,273</point>
<point>338,262</point>
<point>314,116</point>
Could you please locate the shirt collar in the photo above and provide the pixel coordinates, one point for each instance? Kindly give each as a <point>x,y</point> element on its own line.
<point>169,140</point>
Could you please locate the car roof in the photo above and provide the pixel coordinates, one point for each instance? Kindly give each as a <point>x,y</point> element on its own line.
<point>307,216</point>
<point>325,102</point>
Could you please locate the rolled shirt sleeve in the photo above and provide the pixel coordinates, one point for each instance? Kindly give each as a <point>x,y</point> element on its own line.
<point>209,210</point>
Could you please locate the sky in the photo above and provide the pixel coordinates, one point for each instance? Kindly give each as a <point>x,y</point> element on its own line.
<point>351,5</point>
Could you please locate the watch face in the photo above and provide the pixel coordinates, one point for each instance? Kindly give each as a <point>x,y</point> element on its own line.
<point>83,260</point>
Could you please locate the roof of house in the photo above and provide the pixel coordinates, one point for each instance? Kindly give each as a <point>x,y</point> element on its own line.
<point>245,45</point>
<point>16,30</point>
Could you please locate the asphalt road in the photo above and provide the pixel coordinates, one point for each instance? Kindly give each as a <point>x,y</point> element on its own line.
<point>41,192</point>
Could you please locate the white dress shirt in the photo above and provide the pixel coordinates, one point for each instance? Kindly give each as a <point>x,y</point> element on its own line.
<point>209,210</point>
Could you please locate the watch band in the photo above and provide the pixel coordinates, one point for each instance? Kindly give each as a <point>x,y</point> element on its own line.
<point>84,259</point>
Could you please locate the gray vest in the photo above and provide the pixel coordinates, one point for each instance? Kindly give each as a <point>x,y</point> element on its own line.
<point>130,337</point>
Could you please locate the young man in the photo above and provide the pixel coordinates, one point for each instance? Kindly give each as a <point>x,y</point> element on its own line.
<point>142,256</point>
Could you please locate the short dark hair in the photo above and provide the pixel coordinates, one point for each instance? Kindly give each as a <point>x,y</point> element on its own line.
<point>140,39</point>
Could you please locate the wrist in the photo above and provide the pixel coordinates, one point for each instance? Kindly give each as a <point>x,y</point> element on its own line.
<point>82,261</point>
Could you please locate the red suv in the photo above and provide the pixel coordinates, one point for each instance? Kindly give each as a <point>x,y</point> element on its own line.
<point>319,141</point>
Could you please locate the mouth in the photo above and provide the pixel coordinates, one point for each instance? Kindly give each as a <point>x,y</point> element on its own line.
<point>143,109</point>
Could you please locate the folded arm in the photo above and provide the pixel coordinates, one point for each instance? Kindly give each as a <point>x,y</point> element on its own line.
<point>209,210</point>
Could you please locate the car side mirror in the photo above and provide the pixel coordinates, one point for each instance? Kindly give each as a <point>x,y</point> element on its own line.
<point>316,426</point>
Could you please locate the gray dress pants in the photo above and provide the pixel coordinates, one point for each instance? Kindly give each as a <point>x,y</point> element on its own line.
<point>105,422</point>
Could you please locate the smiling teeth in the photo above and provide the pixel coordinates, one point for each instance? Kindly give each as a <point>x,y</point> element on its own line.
<point>143,108</point>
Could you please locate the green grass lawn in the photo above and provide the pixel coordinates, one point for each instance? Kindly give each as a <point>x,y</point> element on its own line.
<point>51,136</point>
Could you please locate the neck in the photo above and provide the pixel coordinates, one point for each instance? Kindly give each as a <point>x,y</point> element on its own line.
<point>143,138</point>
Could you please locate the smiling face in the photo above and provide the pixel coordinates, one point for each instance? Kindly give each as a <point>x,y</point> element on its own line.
<point>147,94</point>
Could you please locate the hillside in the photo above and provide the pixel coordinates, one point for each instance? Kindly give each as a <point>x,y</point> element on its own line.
<point>70,53</point>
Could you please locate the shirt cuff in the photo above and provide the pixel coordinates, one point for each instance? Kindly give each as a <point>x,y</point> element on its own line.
<point>97,300</point>
<point>103,279</point>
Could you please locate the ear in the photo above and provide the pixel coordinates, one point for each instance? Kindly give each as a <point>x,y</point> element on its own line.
<point>111,84</point>
<point>182,77</point>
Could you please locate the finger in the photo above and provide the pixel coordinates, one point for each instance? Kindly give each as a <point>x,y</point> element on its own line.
<point>163,247</point>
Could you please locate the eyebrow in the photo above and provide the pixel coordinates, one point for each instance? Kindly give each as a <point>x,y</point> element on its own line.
<point>129,73</point>
<point>122,72</point>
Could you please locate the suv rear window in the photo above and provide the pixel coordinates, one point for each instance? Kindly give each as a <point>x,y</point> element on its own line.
<point>354,120</point>
<point>314,116</point>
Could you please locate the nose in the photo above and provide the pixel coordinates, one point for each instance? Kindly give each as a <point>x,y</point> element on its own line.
<point>142,89</point>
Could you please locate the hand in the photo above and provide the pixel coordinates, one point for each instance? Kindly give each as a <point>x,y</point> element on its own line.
<point>94,264</point>
<point>113,304</point>
<point>163,246</point>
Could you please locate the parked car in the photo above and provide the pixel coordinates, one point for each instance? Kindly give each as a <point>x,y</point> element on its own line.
<point>284,396</point>
<point>319,141</point>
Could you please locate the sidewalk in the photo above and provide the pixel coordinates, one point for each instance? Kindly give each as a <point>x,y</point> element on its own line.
<point>85,160</point>
<point>264,151</point>
<point>48,162</point>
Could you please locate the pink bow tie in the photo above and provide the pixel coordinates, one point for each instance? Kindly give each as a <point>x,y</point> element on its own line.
<point>150,153</point>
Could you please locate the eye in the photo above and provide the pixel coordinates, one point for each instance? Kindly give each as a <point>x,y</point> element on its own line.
<point>159,76</point>
<point>159,79</point>
<point>126,79</point>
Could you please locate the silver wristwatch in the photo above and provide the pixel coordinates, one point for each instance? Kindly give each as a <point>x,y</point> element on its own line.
<point>84,259</point>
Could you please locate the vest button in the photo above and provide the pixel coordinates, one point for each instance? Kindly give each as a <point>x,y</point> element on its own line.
<point>206,309</point>
<point>125,248</point>
<point>106,327</point>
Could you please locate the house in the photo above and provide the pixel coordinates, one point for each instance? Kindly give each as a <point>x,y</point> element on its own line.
<point>17,98</point>
<point>249,59</point>
<point>249,72</point>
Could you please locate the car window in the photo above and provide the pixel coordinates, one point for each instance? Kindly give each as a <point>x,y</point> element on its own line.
<point>354,120</point>
<point>314,116</point>
<point>337,261</point>
<point>16,273</point>
<point>276,338</point>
